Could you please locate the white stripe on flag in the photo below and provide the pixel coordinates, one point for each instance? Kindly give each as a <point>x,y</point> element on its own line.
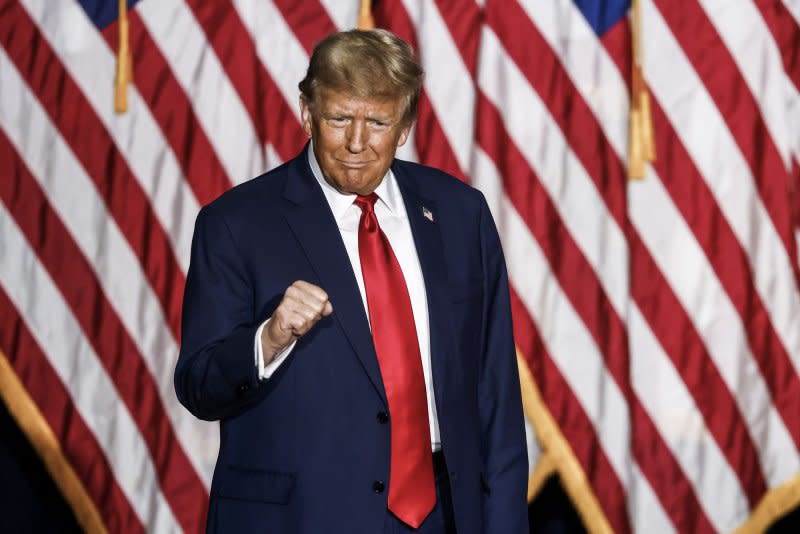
<point>644,509</point>
<point>343,14</point>
<point>278,48</point>
<point>793,117</point>
<point>794,8</point>
<point>448,83</point>
<point>273,159</point>
<point>750,43</point>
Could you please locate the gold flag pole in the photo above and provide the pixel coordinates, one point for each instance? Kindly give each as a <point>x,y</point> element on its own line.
<point>365,20</point>
<point>642,149</point>
<point>124,74</point>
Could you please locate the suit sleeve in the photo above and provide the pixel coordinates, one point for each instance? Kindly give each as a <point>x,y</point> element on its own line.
<point>216,376</point>
<point>503,445</point>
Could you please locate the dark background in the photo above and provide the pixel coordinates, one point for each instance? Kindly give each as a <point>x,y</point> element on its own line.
<point>30,502</point>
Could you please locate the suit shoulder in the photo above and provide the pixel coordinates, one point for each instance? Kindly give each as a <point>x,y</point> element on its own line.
<point>250,194</point>
<point>439,182</point>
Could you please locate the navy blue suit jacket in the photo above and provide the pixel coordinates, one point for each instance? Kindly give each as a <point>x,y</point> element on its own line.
<point>300,452</point>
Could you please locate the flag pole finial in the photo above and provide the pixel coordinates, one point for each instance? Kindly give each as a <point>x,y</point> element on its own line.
<point>365,19</point>
<point>124,73</point>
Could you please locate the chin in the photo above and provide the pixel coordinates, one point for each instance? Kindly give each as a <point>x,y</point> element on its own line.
<point>359,189</point>
<point>361,186</point>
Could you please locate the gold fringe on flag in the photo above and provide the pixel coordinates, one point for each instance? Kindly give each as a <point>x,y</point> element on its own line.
<point>33,424</point>
<point>557,456</point>
<point>642,149</point>
<point>365,20</point>
<point>124,74</point>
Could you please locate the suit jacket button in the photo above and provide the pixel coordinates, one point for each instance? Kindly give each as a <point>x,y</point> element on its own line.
<point>382,417</point>
<point>243,388</point>
<point>378,486</point>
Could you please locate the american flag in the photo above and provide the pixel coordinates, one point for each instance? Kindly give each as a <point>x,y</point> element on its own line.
<point>657,320</point>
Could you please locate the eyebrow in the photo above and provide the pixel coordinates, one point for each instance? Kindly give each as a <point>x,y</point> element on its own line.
<point>331,113</point>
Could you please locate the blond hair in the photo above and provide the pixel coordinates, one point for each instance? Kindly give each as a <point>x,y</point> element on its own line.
<point>365,64</point>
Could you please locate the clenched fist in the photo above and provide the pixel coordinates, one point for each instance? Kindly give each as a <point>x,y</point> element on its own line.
<point>302,306</point>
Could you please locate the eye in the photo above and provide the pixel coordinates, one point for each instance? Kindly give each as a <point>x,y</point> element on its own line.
<point>338,121</point>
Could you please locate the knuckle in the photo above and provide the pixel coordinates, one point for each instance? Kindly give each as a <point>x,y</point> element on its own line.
<point>300,284</point>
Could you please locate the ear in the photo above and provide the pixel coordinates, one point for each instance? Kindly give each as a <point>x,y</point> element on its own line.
<point>404,134</point>
<point>305,115</point>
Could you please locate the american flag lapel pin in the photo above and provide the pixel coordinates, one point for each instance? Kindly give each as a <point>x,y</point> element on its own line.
<point>427,213</point>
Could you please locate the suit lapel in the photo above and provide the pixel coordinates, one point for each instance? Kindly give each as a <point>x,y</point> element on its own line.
<point>310,218</point>
<point>428,240</point>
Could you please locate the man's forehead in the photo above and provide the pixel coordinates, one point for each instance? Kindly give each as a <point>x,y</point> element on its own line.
<point>343,99</point>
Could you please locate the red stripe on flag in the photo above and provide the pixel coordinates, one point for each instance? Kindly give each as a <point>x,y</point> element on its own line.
<point>309,21</point>
<point>83,131</point>
<point>269,111</point>
<point>173,111</point>
<point>571,418</point>
<point>717,69</point>
<point>432,145</point>
<point>786,32</point>
<point>78,443</point>
<point>117,352</point>
<point>617,42</point>
<point>433,148</point>
<point>464,20</point>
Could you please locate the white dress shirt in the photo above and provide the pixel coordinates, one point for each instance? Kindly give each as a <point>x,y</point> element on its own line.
<point>393,220</point>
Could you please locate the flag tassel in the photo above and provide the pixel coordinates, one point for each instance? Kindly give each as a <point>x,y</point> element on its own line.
<point>365,19</point>
<point>642,149</point>
<point>124,72</point>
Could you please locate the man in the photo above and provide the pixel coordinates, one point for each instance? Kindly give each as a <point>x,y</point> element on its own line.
<point>346,317</point>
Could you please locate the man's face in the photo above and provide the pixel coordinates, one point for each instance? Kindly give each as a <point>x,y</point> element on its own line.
<point>354,138</point>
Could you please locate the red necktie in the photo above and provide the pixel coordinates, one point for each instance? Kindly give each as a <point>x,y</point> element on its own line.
<point>411,488</point>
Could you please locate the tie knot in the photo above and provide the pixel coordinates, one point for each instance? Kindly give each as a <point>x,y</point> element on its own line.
<point>366,202</point>
<point>369,222</point>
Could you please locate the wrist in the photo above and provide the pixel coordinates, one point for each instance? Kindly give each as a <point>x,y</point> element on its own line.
<point>269,349</point>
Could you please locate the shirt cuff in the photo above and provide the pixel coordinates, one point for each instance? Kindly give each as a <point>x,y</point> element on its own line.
<point>266,371</point>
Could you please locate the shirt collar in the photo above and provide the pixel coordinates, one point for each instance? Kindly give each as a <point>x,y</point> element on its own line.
<point>388,191</point>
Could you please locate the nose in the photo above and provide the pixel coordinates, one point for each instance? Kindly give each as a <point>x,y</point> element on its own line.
<point>357,136</point>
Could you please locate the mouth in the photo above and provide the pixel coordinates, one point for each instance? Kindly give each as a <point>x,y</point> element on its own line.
<point>354,164</point>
